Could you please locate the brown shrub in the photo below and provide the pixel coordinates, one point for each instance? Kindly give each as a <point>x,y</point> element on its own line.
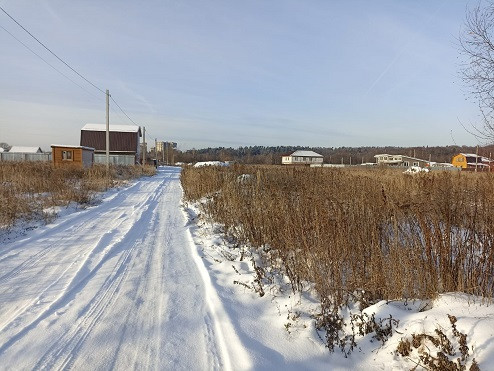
<point>26,188</point>
<point>389,234</point>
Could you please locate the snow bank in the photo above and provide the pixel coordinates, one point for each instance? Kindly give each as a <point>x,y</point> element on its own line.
<point>277,327</point>
<point>415,170</point>
<point>211,163</point>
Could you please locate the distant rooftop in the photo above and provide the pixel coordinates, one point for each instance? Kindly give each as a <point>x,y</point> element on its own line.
<point>69,146</point>
<point>20,149</point>
<point>119,128</point>
<point>305,154</point>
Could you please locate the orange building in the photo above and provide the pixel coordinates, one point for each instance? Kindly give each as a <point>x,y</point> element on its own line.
<point>79,156</point>
<point>469,161</point>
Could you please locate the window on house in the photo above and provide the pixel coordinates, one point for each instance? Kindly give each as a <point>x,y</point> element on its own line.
<point>67,155</point>
<point>416,164</point>
<point>406,163</point>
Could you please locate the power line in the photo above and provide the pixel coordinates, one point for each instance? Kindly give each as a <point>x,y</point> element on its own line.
<point>114,101</point>
<point>48,63</point>
<point>56,56</point>
<point>61,60</point>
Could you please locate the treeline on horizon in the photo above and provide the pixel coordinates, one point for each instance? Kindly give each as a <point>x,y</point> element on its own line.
<point>271,155</point>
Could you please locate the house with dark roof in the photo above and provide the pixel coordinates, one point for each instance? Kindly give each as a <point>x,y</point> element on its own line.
<point>124,142</point>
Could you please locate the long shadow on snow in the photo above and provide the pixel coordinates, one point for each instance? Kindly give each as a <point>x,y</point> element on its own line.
<point>271,359</point>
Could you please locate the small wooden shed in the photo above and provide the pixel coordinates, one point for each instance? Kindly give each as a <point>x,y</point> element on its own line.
<point>80,156</point>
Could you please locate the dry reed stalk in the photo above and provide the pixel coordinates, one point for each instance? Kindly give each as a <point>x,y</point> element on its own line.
<point>379,231</point>
<point>27,188</point>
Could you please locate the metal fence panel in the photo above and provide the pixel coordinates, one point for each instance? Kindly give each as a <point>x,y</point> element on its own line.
<point>115,159</point>
<point>17,156</point>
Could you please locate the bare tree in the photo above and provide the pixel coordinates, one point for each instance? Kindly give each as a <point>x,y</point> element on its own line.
<point>5,146</point>
<point>477,46</point>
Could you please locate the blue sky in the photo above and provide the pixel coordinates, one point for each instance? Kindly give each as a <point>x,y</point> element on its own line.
<point>238,73</point>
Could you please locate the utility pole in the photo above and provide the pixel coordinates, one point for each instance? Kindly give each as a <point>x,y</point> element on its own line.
<point>156,149</point>
<point>144,145</point>
<point>107,132</point>
<point>476,158</point>
<point>167,159</point>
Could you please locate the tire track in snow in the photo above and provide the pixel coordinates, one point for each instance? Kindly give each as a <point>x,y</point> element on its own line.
<point>67,224</point>
<point>32,260</point>
<point>85,222</point>
<point>64,352</point>
<point>75,287</point>
<point>145,288</point>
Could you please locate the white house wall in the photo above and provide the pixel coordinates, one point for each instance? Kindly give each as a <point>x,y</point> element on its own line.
<point>287,160</point>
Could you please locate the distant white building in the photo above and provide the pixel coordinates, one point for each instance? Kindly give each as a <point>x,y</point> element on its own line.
<point>302,158</point>
<point>19,149</point>
<point>399,160</point>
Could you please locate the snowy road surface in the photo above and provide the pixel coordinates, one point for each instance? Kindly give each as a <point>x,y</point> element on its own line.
<point>116,286</point>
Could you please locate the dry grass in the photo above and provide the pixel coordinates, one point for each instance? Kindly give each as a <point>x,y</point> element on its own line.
<point>359,235</point>
<point>27,188</point>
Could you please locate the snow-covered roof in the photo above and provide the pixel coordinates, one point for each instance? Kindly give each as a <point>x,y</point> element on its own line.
<point>20,149</point>
<point>482,158</point>
<point>69,146</point>
<point>120,128</point>
<point>305,154</point>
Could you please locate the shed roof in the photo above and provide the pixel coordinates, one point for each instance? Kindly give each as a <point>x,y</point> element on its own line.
<point>305,154</point>
<point>69,146</point>
<point>20,149</point>
<point>120,128</point>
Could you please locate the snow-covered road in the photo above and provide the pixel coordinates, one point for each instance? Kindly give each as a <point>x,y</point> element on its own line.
<point>116,286</point>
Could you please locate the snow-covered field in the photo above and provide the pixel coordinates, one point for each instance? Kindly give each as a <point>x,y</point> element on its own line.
<point>142,282</point>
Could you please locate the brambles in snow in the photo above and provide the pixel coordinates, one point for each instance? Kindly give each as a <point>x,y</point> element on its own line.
<point>438,351</point>
<point>343,334</point>
<point>358,235</point>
